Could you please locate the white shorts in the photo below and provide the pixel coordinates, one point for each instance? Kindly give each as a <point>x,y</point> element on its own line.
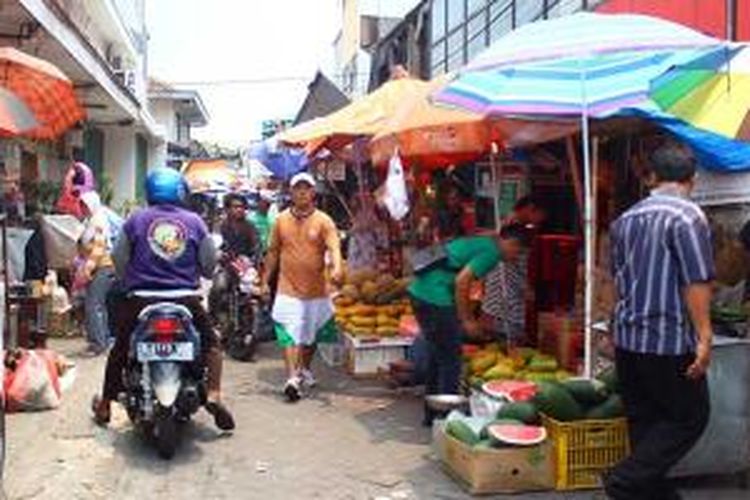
<point>303,321</point>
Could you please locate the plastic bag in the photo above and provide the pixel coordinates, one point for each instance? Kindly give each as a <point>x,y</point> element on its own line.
<point>32,381</point>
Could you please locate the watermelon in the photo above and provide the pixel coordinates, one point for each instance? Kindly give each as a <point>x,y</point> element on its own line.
<point>554,400</point>
<point>518,435</point>
<point>514,390</point>
<point>484,444</point>
<point>461,431</point>
<point>586,392</point>
<point>611,408</point>
<point>524,411</point>
<point>508,421</point>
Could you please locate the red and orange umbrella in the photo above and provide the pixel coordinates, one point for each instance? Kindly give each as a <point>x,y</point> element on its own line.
<point>43,89</point>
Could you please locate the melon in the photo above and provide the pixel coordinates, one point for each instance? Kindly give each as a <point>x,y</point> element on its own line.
<point>517,435</point>
<point>611,408</point>
<point>461,431</point>
<point>609,378</point>
<point>524,411</point>
<point>587,392</point>
<point>554,400</point>
<point>484,434</point>
<point>514,390</point>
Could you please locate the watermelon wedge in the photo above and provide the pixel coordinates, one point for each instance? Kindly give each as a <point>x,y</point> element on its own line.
<point>517,435</point>
<point>514,390</point>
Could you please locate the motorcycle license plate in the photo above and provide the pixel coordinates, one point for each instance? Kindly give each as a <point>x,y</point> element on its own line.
<point>165,351</point>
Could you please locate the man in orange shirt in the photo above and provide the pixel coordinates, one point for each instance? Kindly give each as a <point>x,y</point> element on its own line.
<point>302,311</point>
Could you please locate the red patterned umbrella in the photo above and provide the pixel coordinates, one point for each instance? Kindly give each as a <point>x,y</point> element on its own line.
<point>47,92</point>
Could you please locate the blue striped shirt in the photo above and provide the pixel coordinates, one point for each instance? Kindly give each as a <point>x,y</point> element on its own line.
<point>659,246</point>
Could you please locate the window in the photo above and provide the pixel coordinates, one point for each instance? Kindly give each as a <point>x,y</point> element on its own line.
<point>501,19</point>
<point>472,6</point>
<point>456,13</point>
<point>438,19</point>
<point>476,34</point>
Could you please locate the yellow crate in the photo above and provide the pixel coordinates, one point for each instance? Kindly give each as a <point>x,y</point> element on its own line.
<point>584,449</point>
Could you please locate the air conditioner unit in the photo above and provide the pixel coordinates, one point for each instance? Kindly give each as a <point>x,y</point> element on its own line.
<point>126,77</point>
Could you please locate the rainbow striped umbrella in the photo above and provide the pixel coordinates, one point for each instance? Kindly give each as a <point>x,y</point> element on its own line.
<point>711,93</point>
<point>586,63</point>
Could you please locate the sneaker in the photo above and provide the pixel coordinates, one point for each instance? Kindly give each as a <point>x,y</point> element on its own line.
<point>308,379</point>
<point>292,389</point>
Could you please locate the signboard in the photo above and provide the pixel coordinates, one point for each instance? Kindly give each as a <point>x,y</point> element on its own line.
<point>713,188</point>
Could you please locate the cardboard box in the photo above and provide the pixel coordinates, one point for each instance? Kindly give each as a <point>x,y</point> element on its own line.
<point>509,470</point>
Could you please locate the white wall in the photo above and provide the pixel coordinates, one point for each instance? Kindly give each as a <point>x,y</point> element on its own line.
<point>164,114</point>
<point>119,161</point>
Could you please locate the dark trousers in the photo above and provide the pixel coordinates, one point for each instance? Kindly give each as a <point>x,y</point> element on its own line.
<point>441,330</point>
<point>666,412</point>
<point>126,314</point>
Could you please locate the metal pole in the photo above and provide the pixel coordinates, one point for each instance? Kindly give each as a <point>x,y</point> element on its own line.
<point>731,11</point>
<point>588,231</point>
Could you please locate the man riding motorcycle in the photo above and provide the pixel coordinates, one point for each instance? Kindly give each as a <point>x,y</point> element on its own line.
<point>162,252</point>
<point>239,242</point>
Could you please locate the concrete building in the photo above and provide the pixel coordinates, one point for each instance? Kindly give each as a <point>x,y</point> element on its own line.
<point>102,46</point>
<point>363,24</point>
<point>177,111</point>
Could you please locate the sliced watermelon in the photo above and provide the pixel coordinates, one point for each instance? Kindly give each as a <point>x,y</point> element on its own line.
<point>517,435</point>
<point>514,390</point>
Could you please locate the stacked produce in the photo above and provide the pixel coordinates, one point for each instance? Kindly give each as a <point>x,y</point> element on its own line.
<point>518,422</point>
<point>490,362</point>
<point>372,304</point>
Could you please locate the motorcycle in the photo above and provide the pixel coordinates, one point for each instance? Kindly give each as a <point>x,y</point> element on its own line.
<point>165,379</point>
<point>239,310</point>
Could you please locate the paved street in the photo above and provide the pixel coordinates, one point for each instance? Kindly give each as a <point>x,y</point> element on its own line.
<point>353,440</point>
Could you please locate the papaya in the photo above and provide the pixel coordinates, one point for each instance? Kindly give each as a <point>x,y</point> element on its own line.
<point>554,400</point>
<point>369,290</point>
<point>350,292</point>
<point>501,371</point>
<point>344,301</point>
<point>359,276</point>
<point>363,310</point>
<point>542,363</point>
<point>386,331</point>
<point>366,321</point>
<point>482,363</point>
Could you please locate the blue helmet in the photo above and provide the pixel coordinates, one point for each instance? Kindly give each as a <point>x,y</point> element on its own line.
<point>165,186</point>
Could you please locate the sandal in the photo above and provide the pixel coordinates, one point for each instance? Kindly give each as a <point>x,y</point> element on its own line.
<point>101,412</point>
<point>222,417</point>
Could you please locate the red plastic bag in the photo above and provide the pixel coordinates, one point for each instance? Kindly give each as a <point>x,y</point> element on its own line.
<point>34,383</point>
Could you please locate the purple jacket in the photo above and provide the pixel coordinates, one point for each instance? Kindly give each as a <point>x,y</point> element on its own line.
<point>164,247</point>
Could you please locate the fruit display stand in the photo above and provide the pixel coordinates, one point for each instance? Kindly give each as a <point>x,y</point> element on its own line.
<point>368,357</point>
<point>371,309</point>
<point>723,449</point>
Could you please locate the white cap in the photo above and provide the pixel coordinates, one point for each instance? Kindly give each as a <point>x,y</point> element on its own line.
<point>302,177</point>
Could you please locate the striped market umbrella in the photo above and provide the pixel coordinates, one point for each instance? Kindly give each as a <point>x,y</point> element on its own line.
<point>592,64</point>
<point>581,66</point>
<point>711,93</point>
<point>44,89</point>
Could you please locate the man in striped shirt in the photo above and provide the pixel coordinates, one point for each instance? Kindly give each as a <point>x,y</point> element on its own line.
<point>663,268</point>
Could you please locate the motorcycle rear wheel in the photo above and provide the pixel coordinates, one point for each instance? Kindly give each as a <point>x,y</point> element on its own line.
<point>166,436</point>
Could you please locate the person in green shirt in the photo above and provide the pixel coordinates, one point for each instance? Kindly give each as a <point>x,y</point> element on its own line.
<point>442,306</point>
<point>261,219</point>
